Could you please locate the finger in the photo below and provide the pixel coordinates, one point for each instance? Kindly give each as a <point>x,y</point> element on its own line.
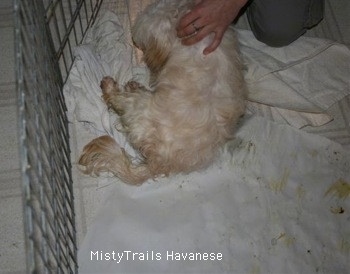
<point>186,20</point>
<point>191,40</point>
<point>214,44</point>
<point>190,29</point>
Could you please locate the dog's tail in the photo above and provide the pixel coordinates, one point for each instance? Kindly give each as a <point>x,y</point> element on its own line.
<point>103,154</point>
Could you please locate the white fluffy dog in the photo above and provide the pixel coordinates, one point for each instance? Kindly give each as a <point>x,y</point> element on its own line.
<point>191,112</point>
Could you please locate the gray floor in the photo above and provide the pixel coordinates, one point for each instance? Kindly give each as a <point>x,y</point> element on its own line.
<point>12,256</point>
<point>336,26</point>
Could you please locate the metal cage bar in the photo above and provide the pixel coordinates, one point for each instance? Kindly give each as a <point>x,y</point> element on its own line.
<point>45,33</point>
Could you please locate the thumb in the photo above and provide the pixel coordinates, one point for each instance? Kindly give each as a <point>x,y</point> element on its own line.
<point>214,44</point>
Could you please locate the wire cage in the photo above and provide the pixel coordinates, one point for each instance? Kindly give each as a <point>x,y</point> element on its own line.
<point>45,33</point>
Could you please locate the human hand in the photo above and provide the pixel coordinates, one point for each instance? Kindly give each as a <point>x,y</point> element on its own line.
<point>206,17</point>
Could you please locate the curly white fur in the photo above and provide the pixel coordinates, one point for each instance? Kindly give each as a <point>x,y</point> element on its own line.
<point>191,112</point>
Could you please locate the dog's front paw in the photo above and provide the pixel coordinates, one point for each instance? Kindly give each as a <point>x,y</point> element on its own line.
<point>132,86</point>
<point>108,85</point>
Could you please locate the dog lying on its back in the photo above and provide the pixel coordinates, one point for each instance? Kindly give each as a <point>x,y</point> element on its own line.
<point>191,112</point>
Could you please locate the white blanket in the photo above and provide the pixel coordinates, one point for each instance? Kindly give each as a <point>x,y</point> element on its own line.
<point>264,207</point>
<point>275,202</point>
<point>298,83</point>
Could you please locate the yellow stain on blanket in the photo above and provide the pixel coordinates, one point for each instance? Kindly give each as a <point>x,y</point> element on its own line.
<point>340,188</point>
<point>255,268</point>
<point>286,239</point>
<point>280,184</point>
<point>345,246</point>
<point>337,210</point>
<point>301,192</point>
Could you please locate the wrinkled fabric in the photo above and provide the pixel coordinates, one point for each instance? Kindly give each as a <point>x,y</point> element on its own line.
<point>263,205</point>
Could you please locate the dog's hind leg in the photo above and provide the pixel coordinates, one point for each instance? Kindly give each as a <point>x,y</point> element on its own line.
<point>103,154</point>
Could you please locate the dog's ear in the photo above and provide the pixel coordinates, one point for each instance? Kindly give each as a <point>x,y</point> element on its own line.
<point>155,56</point>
